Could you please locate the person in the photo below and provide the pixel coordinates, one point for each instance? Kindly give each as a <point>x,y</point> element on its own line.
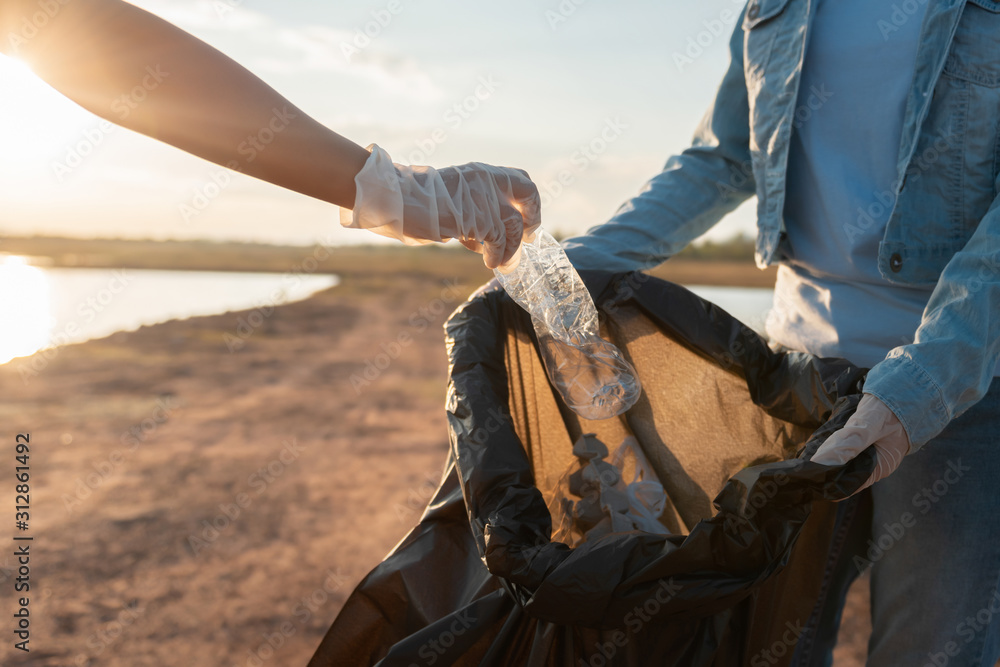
<point>96,52</point>
<point>869,131</point>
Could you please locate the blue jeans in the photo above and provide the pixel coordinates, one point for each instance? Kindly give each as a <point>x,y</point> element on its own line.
<point>934,548</point>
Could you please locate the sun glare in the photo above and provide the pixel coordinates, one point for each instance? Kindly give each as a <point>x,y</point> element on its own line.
<point>24,300</point>
<point>34,119</point>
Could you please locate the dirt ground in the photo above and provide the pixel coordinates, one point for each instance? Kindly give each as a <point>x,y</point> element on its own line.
<point>205,489</point>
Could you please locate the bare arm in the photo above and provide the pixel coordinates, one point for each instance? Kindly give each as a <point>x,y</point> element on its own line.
<point>135,69</point>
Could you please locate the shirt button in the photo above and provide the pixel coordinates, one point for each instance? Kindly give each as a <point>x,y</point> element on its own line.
<point>753,11</point>
<point>896,262</point>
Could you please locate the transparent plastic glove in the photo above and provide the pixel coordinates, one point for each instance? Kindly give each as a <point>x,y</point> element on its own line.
<point>872,424</point>
<point>590,373</point>
<point>487,208</point>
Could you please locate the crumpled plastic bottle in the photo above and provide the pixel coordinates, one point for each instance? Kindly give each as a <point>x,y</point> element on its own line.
<point>590,373</point>
<point>603,493</point>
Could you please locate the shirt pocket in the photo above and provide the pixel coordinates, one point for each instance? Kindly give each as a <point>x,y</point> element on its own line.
<point>970,81</point>
<point>975,49</point>
<point>760,11</point>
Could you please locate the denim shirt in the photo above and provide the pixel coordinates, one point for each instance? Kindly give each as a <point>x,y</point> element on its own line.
<point>944,229</point>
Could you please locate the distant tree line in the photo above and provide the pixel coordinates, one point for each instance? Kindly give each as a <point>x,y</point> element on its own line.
<point>737,248</point>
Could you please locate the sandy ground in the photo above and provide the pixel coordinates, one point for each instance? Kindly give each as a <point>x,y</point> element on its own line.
<point>203,490</point>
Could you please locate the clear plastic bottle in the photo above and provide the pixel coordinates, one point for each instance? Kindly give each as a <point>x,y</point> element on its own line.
<point>590,373</point>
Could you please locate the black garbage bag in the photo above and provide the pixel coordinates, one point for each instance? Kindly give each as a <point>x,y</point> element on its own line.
<point>480,582</point>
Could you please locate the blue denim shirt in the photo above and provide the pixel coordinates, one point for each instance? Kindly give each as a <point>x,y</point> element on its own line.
<point>944,229</point>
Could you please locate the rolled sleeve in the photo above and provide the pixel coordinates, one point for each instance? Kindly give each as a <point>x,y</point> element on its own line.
<point>951,363</point>
<point>912,395</point>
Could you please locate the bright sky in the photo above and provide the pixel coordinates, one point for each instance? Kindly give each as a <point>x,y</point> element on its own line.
<point>551,76</point>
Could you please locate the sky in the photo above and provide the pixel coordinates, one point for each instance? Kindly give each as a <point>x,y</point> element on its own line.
<point>520,83</point>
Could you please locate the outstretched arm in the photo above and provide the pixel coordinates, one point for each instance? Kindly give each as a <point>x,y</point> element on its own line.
<point>135,69</point>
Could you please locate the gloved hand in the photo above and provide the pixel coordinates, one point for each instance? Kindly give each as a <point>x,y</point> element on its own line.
<point>872,424</point>
<point>486,208</point>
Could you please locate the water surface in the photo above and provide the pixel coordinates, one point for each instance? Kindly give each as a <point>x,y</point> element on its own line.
<point>43,307</point>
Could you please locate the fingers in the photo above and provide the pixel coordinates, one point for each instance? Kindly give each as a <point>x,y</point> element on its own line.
<point>524,190</point>
<point>504,237</point>
<point>874,477</point>
<point>886,462</point>
<point>473,245</point>
<point>856,436</point>
<point>872,424</point>
<point>517,188</point>
<point>513,231</point>
<point>495,208</point>
<point>530,209</point>
<point>841,447</point>
<point>493,252</point>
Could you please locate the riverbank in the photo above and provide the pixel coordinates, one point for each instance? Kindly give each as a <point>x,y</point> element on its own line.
<point>346,261</point>
<point>209,491</point>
